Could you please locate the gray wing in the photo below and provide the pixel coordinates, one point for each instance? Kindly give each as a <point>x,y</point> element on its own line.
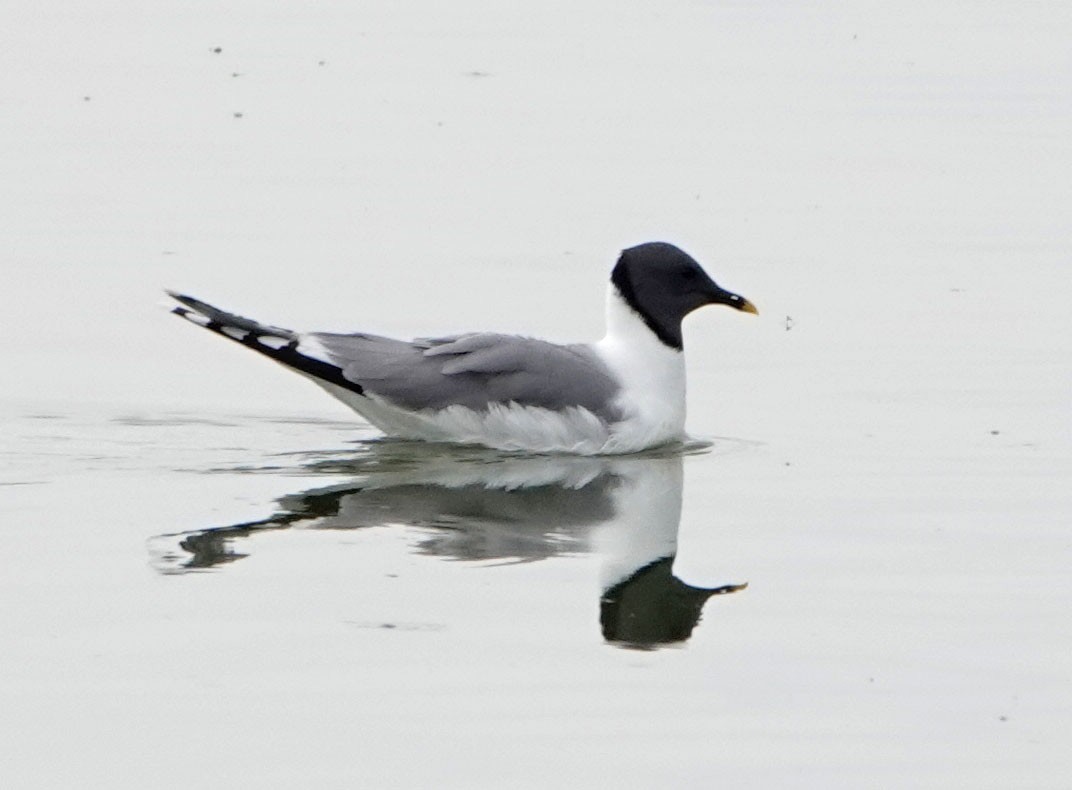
<point>474,371</point>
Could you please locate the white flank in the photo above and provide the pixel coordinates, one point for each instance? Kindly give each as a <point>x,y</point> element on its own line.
<point>502,426</point>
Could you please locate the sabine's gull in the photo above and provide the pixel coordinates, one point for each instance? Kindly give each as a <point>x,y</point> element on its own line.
<point>622,394</point>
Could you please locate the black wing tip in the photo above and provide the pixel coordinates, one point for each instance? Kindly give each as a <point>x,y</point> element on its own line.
<point>251,334</point>
<point>178,297</point>
<point>191,302</point>
<point>222,318</point>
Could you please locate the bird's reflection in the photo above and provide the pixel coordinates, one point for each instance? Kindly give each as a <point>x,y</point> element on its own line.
<point>477,504</point>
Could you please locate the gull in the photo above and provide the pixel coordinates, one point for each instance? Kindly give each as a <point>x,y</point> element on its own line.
<point>622,394</point>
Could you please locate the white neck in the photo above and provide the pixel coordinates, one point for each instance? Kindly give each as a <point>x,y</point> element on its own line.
<point>651,373</point>
<point>624,324</point>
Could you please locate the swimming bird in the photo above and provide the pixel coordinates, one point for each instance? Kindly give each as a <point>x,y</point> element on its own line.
<point>622,394</point>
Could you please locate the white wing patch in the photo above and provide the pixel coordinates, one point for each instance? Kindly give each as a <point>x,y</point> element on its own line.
<point>274,342</point>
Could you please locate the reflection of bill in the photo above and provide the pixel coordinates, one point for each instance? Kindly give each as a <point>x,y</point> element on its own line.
<point>480,505</point>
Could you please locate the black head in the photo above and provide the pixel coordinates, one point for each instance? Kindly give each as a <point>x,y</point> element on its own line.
<point>664,284</point>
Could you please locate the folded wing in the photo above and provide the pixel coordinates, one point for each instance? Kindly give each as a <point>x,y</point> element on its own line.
<point>474,371</point>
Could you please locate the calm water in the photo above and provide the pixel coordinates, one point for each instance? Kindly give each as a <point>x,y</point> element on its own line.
<point>176,580</point>
<point>216,576</point>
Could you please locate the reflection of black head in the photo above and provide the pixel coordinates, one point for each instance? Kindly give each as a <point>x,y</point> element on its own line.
<point>653,607</point>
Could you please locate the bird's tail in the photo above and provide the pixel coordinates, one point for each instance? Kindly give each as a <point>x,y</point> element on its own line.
<point>282,345</point>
